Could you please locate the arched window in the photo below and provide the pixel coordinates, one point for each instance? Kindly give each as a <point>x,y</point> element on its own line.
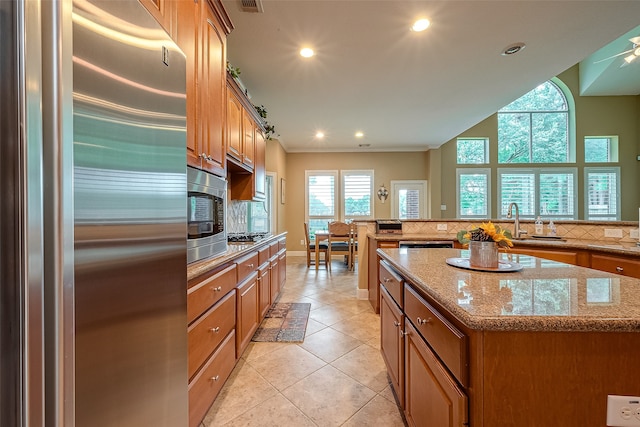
<point>535,127</point>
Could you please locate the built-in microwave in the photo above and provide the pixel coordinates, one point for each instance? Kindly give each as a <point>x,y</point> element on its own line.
<point>206,214</point>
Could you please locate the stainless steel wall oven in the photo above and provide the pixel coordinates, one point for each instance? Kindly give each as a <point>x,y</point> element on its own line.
<point>206,214</point>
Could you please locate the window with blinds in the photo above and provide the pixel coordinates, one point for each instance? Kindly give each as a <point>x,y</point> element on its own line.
<point>549,193</point>
<point>602,193</point>
<point>357,191</point>
<point>321,199</point>
<point>473,187</point>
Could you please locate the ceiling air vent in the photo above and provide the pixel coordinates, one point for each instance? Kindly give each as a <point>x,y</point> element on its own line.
<point>251,6</point>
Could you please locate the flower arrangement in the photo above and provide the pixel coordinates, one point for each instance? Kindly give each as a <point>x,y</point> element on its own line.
<point>486,232</point>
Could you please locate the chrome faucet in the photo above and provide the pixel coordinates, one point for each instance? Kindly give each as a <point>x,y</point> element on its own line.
<point>516,225</point>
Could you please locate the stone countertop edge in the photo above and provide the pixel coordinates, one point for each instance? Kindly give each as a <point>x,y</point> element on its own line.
<point>627,249</point>
<point>234,250</point>
<point>623,322</point>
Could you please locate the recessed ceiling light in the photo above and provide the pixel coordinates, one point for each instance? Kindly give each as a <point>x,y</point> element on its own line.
<point>306,52</point>
<point>513,48</point>
<point>319,135</point>
<point>420,25</point>
<point>359,134</point>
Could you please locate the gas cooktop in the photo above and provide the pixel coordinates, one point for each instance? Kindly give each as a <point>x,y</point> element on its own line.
<point>246,237</point>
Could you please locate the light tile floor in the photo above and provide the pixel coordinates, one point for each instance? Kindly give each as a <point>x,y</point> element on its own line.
<point>336,377</point>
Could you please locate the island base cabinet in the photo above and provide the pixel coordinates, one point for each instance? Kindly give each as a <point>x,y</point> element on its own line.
<point>432,397</point>
<point>391,342</point>
<point>209,381</point>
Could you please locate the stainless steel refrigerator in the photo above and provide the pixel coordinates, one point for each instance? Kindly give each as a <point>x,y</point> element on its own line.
<point>93,217</point>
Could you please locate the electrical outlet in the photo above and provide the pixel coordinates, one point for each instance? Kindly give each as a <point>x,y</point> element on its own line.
<point>443,207</point>
<point>302,242</point>
<point>442,227</point>
<point>613,232</point>
<point>634,234</point>
<point>623,411</point>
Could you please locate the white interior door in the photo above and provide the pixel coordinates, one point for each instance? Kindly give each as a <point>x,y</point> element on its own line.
<point>409,200</point>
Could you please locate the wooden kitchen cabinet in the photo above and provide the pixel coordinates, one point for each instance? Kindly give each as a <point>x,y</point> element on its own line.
<point>208,382</point>
<point>260,167</point>
<point>165,12</point>
<point>201,31</point>
<point>373,288</point>
<point>432,397</point>
<point>224,308</point>
<point>248,313</point>
<point>234,124</point>
<point>206,333</point>
<point>616,264</point>
<point>246,147</point>
<point>392,342</point>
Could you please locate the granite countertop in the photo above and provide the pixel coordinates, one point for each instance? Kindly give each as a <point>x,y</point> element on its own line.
<point>234,250</point>
<point>544,296</point>
<point>622,248</point>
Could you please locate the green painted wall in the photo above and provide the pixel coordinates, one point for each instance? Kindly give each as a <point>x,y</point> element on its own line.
<point>595,115</point>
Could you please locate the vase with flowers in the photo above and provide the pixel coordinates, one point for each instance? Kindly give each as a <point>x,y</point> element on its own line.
<point>484,242</point>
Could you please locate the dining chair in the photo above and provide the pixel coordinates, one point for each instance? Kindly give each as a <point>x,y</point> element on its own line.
<point>354,244</point>
<point>311,249</point>
<point>339,241</point>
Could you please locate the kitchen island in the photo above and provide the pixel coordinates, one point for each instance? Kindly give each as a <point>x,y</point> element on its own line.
<point>543,346</point>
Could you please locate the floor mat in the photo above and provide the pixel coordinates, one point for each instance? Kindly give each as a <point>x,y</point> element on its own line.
<point>284,322</point>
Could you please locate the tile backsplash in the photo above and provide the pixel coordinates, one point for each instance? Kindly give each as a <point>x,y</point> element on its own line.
<point>581,230</point>
<point>237,212</point>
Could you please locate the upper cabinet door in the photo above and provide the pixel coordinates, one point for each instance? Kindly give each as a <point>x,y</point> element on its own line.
<point>187,38</point>
<point>211,92</point>
<point>165,12</point>
<point>248,147</point>
<point>259,169</point>
<point>234,125</point>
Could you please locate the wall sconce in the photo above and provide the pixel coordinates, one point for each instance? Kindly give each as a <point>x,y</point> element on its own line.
<point>383,193</point>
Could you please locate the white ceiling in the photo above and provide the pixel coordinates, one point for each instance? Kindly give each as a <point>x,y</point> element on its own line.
<point>415,91</point>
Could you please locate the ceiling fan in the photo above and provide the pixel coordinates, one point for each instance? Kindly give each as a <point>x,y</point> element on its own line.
<point>634,53</point>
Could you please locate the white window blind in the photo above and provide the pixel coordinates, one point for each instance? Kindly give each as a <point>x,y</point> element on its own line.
<point>473,193</point>
<point>548,193</point>
<point>357,190</point>
<point>321,199</point>
<point>602,193</point>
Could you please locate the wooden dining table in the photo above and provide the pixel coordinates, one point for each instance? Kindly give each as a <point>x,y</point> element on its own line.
<point>321,236</point>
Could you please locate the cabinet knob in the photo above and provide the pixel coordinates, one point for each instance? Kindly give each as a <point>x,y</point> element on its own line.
<point>387,280</point>
<point>216,329</point>
<point>217,289</point>
<point>215,378</point>
<point>396,323</point>
<point>423,321</point>
<point>251,265</point>
<point>203,155</point>
<point>619,269</point>
<point>403,333</point>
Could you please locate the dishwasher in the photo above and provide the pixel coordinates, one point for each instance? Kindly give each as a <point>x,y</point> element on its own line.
<point>426,244</point>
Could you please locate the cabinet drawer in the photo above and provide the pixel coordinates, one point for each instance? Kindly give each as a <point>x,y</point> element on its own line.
<point>616,265</point>
<point>282,244</point>
<point>263,254</point>
<point>206,293</point>
<point>207,384</point>
<point>392,282</point>
<point>449,343</point>
<point>273,249</point>
<point>247,265</point>
<point>388,244</point>
<point>208,331</point>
